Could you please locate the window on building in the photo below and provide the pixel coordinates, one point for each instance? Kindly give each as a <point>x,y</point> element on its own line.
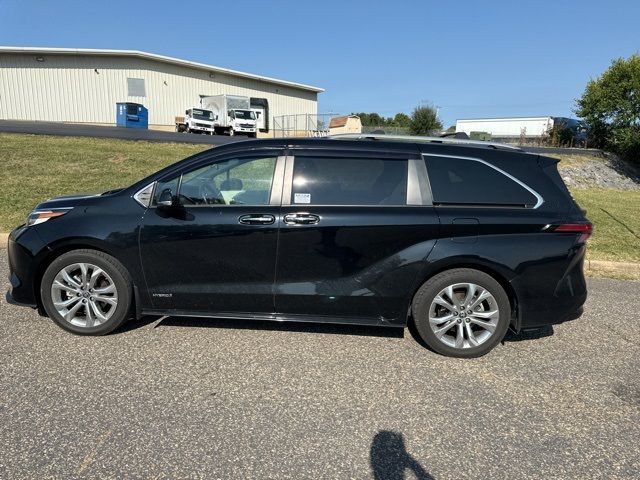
<point>349,181</point>
<point>135,87</point>
<point>470,182</point>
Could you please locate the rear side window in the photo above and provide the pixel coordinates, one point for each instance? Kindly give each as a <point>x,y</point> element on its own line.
<point>470,182</point>
<point>349,181</point>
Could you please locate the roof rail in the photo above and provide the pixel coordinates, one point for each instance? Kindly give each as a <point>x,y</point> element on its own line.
<point>419,139</point>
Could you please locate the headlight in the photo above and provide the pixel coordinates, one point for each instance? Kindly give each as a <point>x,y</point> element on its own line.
<point>41,216</point>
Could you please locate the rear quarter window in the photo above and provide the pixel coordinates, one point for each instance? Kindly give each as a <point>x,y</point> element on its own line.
<point>459,181</point>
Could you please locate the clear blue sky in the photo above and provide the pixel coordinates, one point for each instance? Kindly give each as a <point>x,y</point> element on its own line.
<point>472,58</point>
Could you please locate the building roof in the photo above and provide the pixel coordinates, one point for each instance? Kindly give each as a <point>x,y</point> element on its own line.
<point>157,58</point>
<point>340,121</point>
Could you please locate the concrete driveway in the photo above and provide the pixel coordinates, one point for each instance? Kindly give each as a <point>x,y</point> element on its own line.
<point>194,398</point>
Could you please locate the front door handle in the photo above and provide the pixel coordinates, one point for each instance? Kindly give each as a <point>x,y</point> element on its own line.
<point>301,219</point>
<point>257,219</point>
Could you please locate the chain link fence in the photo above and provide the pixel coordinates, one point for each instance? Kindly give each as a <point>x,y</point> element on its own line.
<point>386,130</point>
<point>302,125</point>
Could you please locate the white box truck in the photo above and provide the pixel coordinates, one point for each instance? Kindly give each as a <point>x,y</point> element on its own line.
<point>232,114</point>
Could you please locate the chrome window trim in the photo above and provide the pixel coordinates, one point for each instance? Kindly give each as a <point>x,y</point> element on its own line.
<point>288,181</point>
<point>418,188</point>
<point>138,194</point>
<point>277,183</point>
<point>539,199</point>
<point>414,193</point>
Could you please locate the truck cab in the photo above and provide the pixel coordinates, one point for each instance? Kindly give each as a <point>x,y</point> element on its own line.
<point>197,120</point>
<point>242,121</point>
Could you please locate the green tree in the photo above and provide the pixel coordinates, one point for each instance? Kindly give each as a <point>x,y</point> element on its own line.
<point>424,120</point>
<point>401,120</point>
<point>610,105</point>
<point>371,119</point>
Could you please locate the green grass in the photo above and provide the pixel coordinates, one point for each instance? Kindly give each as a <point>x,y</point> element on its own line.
<point>615,215</point>
<point>34,168</point>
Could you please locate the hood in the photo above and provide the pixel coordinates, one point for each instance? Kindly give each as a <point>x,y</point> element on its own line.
<point>72,200</point>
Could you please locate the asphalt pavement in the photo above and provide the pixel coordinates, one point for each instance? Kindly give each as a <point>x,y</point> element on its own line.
<point>201,398</point>
<point>98,131</point>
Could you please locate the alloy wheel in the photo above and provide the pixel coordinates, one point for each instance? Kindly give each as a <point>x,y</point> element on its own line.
<point>464,315</point>
<point>84,295</point>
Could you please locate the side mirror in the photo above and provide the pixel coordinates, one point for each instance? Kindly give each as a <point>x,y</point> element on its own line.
<point>166,198</point>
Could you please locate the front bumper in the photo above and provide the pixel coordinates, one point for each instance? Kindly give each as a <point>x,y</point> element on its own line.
<point>12,301</point>
<point>202,129</point>
<point>21,249</point>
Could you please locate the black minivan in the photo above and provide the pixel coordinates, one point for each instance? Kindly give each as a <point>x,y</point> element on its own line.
<point>466,239</point>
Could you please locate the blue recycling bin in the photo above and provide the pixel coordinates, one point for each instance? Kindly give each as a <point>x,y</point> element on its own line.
<point>132,115</point>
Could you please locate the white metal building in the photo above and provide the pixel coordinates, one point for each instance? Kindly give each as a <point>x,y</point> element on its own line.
<point>83,86</point>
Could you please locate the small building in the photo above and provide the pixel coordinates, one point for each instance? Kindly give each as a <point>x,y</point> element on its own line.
<point>345,124</point>
<point>84,85</point>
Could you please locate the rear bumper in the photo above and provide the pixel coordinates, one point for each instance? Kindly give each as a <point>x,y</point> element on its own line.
<point>545,301</point>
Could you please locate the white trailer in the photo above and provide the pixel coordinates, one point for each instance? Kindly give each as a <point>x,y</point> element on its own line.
<point>232,113</point>
<point>507,127</point>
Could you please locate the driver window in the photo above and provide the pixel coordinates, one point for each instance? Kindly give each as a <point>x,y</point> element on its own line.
<point>238,181</point>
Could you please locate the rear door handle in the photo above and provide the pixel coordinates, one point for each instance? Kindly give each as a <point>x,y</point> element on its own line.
<point>301,219</point>
<point>257,219</point>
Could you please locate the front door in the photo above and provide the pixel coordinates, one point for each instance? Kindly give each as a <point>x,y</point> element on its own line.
<point>353,239</point>
<point>214,249</point>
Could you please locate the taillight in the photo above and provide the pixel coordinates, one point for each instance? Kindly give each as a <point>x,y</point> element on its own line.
<point>583,229</point>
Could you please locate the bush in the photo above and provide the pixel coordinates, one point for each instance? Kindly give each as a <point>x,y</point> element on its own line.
<point>424,120</point>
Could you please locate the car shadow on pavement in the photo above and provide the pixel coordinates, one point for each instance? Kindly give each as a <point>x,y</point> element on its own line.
<point>248,324</point>
<point>390,460</point>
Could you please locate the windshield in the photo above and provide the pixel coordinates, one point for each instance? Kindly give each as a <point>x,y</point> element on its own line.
<point>202,114</point>
<point>245,114</point>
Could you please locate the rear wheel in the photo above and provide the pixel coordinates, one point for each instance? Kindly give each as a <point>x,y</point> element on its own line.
<point>86,292</point>
<point>461,313</point>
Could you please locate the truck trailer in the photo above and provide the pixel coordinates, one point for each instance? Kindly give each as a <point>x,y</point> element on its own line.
<point>507,127</point>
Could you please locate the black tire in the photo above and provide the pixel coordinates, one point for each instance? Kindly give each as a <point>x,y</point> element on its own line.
<point>427,293</point>
<point>112,267</point>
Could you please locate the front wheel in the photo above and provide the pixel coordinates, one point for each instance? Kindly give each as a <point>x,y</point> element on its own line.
<point>86,292</point>
<point>231,132</point>
<point>461,313</point>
